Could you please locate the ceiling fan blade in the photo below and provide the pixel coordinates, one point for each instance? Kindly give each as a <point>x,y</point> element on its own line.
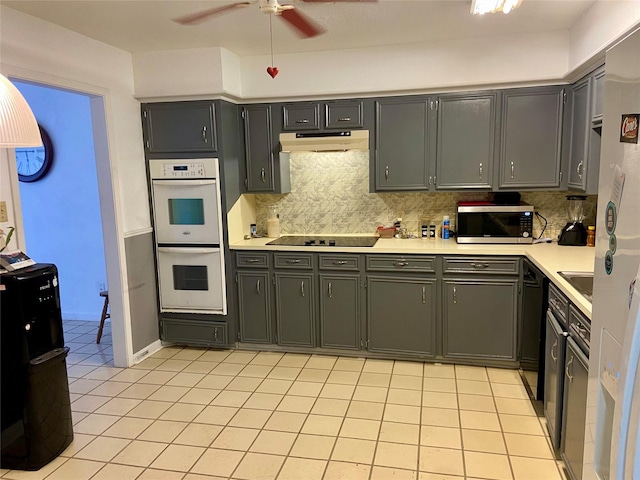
<point>302,24</point>
<point>203,15</point>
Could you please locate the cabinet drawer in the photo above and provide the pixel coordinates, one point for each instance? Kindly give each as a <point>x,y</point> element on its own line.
<point>301,117</point>
<point>252,259</point>
<point>339,262</point>
<point>579,328</point>
<point>559,304</point>
<point>492,265</point>
<point>195,332</point>
<point>343,115</point>
<point>299,261</point>
<point>418,263</point>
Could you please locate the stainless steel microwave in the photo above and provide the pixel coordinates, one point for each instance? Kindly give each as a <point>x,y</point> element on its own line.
<point>477,223</point>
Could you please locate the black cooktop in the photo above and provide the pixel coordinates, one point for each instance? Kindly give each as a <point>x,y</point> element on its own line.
<point>324,241</point>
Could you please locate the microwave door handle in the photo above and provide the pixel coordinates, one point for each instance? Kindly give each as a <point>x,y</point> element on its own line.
<point>188,250</point>
<point>191,183</point>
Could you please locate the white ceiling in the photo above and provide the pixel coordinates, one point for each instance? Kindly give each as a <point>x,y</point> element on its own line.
<point>146,25</point>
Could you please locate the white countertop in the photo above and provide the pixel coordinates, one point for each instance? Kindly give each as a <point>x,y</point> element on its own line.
<point>548,257</point>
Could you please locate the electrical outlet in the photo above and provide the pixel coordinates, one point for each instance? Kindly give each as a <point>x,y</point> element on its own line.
<point>4,217</point>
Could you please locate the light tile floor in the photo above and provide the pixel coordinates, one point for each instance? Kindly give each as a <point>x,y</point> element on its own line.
<point>195,414</point>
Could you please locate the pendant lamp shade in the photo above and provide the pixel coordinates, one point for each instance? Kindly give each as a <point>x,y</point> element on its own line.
<point>18,126</point>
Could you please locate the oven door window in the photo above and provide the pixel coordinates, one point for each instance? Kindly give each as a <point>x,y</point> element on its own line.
<point>190,277</point>
<point>186,211</point>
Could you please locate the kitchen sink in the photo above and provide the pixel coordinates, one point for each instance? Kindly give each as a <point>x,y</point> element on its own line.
<point>581,281</point>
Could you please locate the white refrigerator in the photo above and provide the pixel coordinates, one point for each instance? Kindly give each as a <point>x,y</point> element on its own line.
<point>613,400</point>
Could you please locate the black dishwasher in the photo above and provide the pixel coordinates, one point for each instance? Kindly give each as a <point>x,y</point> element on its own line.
<point>534,307</point>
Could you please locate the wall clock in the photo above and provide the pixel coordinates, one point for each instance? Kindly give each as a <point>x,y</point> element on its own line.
<point>33,163</point>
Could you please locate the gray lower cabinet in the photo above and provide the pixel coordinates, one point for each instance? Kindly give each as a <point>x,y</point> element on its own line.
<point>480,318</point>
<point>531,138</point>
<point>340,313</point>
<point>402,144</point>
<point>295,309</point>
<point>466,129</point>
<point>574,410</point>
<point>254,298</point>
<point>187,331</point>
<point>554,347</point>
<point>401,315</point>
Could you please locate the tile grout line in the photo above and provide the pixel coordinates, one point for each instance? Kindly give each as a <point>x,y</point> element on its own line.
<point>462,450</point>
<point>384,409</point>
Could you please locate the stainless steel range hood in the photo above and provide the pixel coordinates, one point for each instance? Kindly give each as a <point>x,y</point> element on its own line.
<point>325,141</point>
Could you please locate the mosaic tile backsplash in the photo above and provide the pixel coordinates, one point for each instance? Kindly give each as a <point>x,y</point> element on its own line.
<point>330,195</point>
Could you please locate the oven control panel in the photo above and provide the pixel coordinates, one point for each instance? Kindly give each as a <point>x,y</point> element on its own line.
<point>183,169</point>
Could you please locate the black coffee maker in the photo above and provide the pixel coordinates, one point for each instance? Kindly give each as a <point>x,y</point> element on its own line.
<point>574,233</point>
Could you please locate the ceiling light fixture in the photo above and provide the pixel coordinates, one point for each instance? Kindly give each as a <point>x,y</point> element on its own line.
<point>18,126</point>
<point>480,7</point>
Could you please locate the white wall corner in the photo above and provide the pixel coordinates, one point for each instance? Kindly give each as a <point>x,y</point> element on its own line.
<point>178,73</point>
<point>240,218</point>
<point>599,28</point>
<point>231,73</point>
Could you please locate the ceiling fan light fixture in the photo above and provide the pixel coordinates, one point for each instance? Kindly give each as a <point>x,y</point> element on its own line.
<point>480,7</point>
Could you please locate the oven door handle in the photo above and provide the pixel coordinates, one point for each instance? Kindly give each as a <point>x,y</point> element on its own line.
<point>188,250</point>
<point>191,183</point>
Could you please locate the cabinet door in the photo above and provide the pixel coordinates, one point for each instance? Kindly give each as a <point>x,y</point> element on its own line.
<point>254,307</point>
<point>258,148</point>
<point>531,138</point>
<point>401,315</point>
<point>574,409</point>
<point>180,127</point>
<point>580,129</point>
<point>295,309</point>
<point>401,144</point>
<point>598,94</point>
<point>301,116</point>
<point>344,114</point>
<point>480,319</point>
<point>340,311</point>
<point>555,342</point>
<point>465,141</point>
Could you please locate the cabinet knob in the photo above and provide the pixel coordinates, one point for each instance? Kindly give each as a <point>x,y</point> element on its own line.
<point>344,119</point>
<point>513,167</point>
<point>424,294</point>
<point>329,290</point>
<point>263,176</point>
<point>258,287</point>
<point>386,172</point>
<point>455,295</point>
<point>480,172</point>
<point>302,288</point>
<point>479,266</point>
<point>293,260</point>
<point>204,134</point>
<point>340,262</point>
<point>302,120</point>
<point>400,264</point>
<point>579,170</point>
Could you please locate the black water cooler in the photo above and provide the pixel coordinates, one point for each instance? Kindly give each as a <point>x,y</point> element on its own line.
<point>36,408</point>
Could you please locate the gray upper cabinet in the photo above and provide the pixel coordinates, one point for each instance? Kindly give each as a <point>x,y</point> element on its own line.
<point>265,172</point>
<point>340,313</point>
<point>254,298</point>
<point>598,95</point>
<point>531,142</point>
<point>466,128</point>
<point>584,163</point>
<point>344,114</point>
<point>180,127</point>
<point>301,116</point>
<point>401,315</point>
<point>480,318</point>
<point>401,144</point>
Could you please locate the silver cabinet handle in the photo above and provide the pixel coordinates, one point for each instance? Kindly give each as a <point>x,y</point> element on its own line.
<point>340,262</point>
<point>435,180</point>
<point>424,294</point>
<point>263,176</point>
<point>481,171</point>
<point>293,260</point>
<point>512,169</point>
<point>386,172</point>
<point>215,335</point>
<point>204,134</point>
<point>567,370</point>
<point>479,266</point>
<point>252,260</point>
<point>430,179</point>
<point>455,295</point>
<point>344,119</point>
<point>579,170</point>
<point>555,344</point>
<point>329,290</point>
<point>400,264</point>
<point>302,287</point>
<point>302,120</point>
<point>258,287</point>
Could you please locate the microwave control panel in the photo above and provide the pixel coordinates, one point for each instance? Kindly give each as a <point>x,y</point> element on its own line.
<point>526,224</point>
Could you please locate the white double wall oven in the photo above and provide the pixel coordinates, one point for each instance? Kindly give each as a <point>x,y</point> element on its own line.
<point>188,229</point>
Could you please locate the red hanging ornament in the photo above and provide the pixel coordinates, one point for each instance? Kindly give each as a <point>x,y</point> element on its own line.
<point>272,71</point>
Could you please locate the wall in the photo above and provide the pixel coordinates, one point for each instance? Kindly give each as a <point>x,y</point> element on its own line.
<point>62,225</point>
<point>330,195</point>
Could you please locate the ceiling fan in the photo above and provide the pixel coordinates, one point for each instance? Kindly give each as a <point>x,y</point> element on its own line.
<point>303,25</point>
